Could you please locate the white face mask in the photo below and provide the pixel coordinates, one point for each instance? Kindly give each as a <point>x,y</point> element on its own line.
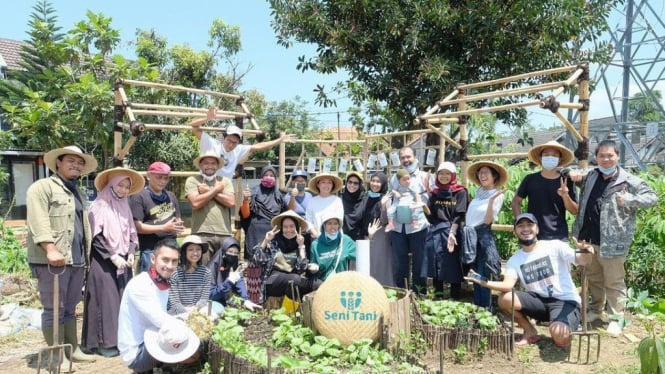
<point>549,162</point>
<point>208,178</point>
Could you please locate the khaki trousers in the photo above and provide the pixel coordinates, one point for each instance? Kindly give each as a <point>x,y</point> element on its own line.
<point>607,283</point>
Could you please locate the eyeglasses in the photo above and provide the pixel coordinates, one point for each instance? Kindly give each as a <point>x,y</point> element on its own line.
<point>231,142</point>
<point>353,183</point>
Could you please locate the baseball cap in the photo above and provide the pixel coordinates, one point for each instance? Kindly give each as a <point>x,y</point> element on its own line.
<point>528,216</point>
<point>159,167</point>
<point>234,130</point>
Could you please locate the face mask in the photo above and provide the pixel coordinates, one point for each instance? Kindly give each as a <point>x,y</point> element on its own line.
<point>267,181</point>
<point>607,171</point>
<point>549,162</point>
<point>230,262</point>
<point>208,178</point>
<point>527,242</point>
<point>332,236</point>
<point>373,194</point>
<point>411,168</point>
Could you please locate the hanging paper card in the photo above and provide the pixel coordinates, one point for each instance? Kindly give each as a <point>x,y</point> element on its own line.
<point>394,159</point>
<point>326,165</point>
<point>358,165</point>
<point>311,165</point>
<point>383,160</point>
<point>343,163</point>
<point>371,161</point>
<point>431,157</point>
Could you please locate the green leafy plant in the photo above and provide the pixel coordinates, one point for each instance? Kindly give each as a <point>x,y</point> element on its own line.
<point>651,313</point>
<point>450,313</point>
<point>13,256</point>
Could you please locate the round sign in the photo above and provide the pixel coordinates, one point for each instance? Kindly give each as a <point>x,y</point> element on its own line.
<point>350,306</point>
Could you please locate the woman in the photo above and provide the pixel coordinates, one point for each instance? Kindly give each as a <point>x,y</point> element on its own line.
<point>332,250</point>
<point>325,203</point>
<point>447,205</point>
<point>260,205</point>
<point>282,257</point>
<point>352,198</point>
<point>482,211</point>
<point>373,208</point>
<point>302,197</point>
<point>114,243</point>
<point>190,283</point>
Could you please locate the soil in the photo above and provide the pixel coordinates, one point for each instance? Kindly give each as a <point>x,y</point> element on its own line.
<point>18,352</point>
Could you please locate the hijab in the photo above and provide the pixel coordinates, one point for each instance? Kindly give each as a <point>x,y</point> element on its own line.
<point>452,186</point>
<point>285,244</point>
<point>266,202</point>
<point>353,214</point>
<point>111,217</point>
<point>371,210</point>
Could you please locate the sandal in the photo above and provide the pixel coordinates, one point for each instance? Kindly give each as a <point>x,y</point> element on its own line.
<point>523,342</point>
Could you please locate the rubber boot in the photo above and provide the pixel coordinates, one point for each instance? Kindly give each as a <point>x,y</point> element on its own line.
<point>63,361</point>
<point>70,333</point>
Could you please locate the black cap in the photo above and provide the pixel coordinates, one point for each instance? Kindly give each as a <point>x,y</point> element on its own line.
<point>528,216</point>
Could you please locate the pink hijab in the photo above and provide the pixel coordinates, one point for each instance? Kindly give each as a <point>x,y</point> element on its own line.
<point>112,217</point>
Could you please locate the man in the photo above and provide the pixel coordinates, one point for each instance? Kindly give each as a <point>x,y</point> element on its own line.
<point>156,212</point>
<point>549,194</point>
<point>405,237</point>
<point>212,198</point>
<point>231,149</point>
<point>550,294</point>
<point>59,240</point>
<point>610,197</point>
<point>143,308</point>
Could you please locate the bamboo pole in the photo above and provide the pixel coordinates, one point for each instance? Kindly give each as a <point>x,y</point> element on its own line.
<point>200,112</point>
<point>573,77</point>
<point>282,166</point>
<point>508,92</point>
<point>577,106</point>
<point>157,126</point>
<point>569,126</point>
<point>448,120</point>
<point>489,109</point>
<point>125,150</point>
<point>444,136</point>
<point>177,173</point>
<point>177,114</point>
<point>331,141</point>
<point>443,102</point>
<point>117,135</point>
<point>497,155</point>
<point>563,69</point>
<point>463,136</point>
<point>179,88</point>
<point>365,156</point>
<point>398,133</point>
<point>584,115</point>
<point>252,120</point>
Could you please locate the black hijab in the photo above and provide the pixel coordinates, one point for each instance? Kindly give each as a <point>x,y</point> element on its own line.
<point>371,206</point>
<point>284,244</point>
<point>266,203</point>
<point>353,215</point>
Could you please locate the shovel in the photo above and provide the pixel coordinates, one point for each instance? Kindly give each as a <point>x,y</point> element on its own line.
<point>55,352</point>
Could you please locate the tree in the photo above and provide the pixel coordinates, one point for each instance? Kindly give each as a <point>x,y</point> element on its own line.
<point>642,107</point>
<point>410,54</point>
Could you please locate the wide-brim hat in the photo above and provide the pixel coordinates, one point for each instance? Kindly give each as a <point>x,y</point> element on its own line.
<point>535,153</point>
<point>220,161</point>
<point>337,183</point>
<point>355,174</point>
<point>161,345</point>
<point>51,156</point>
<point>277,220</point>
<point>472,172</point>
<point>136,179</point>
<point>194,239</point>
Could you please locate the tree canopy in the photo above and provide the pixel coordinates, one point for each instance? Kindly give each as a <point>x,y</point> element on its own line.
<point>410,54</point>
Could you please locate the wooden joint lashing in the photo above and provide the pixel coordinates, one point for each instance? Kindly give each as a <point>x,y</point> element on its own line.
<point>118,83</point>
<point>116,162</point>
<point>586,103</point>
<point>460,90</point>
<point>585,72</point>
<point>550,103</point>
<point>582,151</point>
<point>240,122</point>
<point>260,137</point>
<point>118,113</point>
<point>463,119</point>
<point>136,128</point>
<point>463,153</point>
<point>240,101</point>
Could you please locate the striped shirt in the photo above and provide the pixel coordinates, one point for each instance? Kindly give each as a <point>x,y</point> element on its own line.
<point>189,289</point>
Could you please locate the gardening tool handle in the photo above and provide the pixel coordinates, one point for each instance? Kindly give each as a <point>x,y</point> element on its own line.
<point>56,307</point>
<point>585,286</point>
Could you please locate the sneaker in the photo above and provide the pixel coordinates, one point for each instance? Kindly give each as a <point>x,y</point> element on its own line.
<point>613,328</point>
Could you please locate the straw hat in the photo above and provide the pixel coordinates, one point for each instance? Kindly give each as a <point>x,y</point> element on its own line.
<point>194,239</point>
<point>211,154</point>
<point>173,342</point>
<point>277,221</point>
<point>51,156</point>
<point>358,303</point>
<point>472,172</point>
<point>337,183</point>
<point>566,154</point>
<point>136,179</point>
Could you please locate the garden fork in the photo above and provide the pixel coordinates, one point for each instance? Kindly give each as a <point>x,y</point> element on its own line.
<point>55,353</point>
<point>585,334</point>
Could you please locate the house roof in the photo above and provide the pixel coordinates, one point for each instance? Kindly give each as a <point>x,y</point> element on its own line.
<point>10,52</point>
<point>339,133</point>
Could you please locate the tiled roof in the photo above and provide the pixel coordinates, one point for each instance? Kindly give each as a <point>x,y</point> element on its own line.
<point>338,133</point>
<point>10,53</point>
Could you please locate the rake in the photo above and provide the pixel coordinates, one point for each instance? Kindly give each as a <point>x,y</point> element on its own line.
<point>585,335</point>
<point>55,352</point>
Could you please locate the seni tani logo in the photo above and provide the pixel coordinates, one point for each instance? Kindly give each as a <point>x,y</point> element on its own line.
<point>350,301</point>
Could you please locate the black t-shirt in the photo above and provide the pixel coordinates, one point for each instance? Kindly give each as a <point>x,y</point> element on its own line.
<point>446,206</point>
<point>545,203</point>
<point>590,230</point>
<point>145,209</point>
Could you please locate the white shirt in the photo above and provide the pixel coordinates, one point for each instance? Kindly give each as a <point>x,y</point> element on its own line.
<point>320,207</point>
<point>545,270</point>
<point>143,306</point>
<point>475,213</point>
<point>207,143</point>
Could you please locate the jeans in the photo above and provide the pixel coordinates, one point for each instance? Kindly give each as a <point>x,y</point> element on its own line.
<point>144,260</point>
<point>403,244</point>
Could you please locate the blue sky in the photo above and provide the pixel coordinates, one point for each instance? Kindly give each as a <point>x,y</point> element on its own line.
<point>187,22</point>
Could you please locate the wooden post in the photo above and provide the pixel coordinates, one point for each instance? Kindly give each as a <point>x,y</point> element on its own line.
<point>282,163</point>
<point>584,113</point>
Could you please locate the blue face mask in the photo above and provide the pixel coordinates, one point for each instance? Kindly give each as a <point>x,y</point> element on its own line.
<point>373,194</point>
<point>549,162</point>
<point>607,171</point>
<point>411,168</point>
<point>332,237</point>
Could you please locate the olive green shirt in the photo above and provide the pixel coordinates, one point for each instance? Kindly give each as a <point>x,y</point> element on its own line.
<point>212,218</point>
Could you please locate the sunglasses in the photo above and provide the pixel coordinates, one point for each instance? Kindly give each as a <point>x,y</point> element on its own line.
<point>353,183</point>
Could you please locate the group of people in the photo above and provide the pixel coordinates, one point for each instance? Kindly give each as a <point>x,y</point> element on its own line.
<point>419,226</point>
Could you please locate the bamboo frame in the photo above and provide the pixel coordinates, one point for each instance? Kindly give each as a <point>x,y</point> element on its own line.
<point>132,82</point>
